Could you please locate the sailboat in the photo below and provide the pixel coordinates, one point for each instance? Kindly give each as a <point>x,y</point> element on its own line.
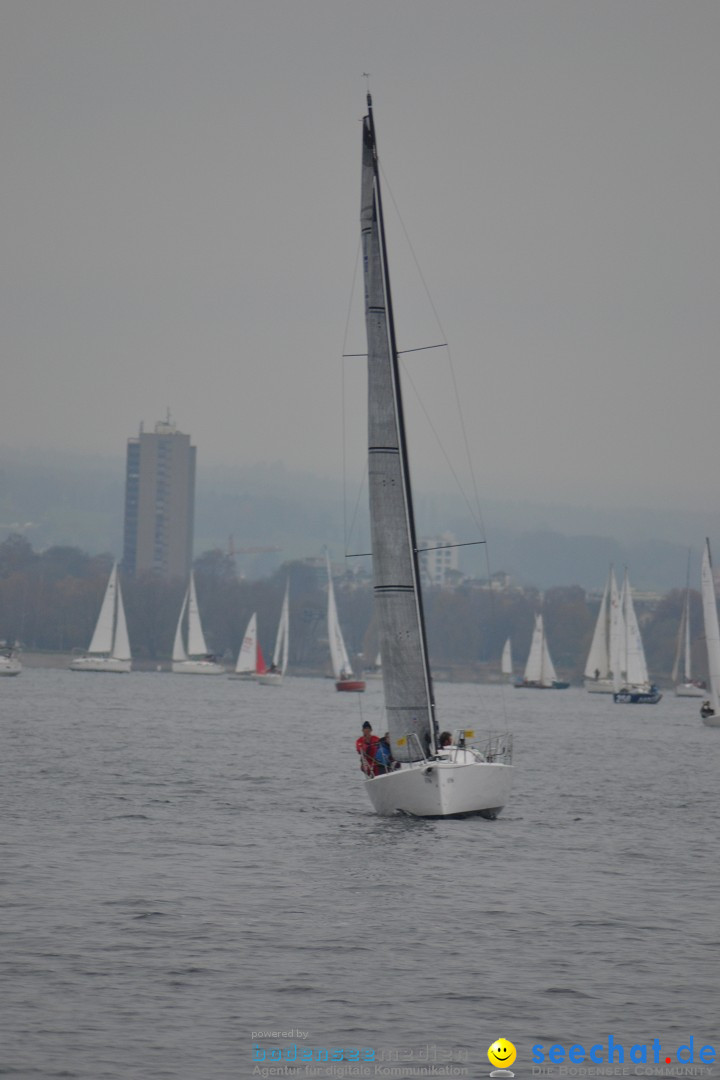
<point>461,778</point>
<point>636,688</point>
<point>604,657</point>
<point>374,672</point>
<point>686,686</point>
<point>109,649</point>
<point>9,662</point>
<point>274,676</point>
<point>540,671</point>
<point>710,709</point>
<point>250,663</point>
<point>196,660</point>
<point>506,664</point>
<point>342,669</point>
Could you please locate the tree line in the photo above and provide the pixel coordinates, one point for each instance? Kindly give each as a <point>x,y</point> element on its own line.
<point>49,601</point>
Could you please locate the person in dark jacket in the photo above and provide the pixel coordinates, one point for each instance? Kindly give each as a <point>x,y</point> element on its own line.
<point>383,755</point>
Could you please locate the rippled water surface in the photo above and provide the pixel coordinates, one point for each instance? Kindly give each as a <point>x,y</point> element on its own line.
<point>188,860</point>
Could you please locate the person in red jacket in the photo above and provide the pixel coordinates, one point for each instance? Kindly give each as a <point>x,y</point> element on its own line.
<point>366,745</point>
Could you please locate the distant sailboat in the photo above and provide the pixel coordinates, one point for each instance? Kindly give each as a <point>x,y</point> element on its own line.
<point>540,671</point>
<point>342,669</point>
<point>9,662</point>
<point>195,660</point>
<point>685,686</point>
<point>250,661</point>
<point>710,709</point>
<point>109,650</point>
<point>602,670</point>
<point>636,688</point>
<point>274,676</point>
<point>374,672</point>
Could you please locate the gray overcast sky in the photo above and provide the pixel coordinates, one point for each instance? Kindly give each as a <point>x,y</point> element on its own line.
<point>179,207</point>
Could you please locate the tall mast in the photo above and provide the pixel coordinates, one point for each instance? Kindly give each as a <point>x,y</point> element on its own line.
<point>400,420</point>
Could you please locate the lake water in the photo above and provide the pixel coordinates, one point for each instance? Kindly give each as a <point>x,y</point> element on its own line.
<point>188,861</point>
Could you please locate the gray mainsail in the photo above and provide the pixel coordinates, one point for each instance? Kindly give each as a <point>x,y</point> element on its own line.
<point>407,684</point>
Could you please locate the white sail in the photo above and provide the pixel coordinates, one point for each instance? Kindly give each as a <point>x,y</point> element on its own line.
<point>682,647</point>
<point>102,639</point>
<point>247,657</point>
<point>598,661</point>
<point>179,654</point>
<point>196,638</point>
<point>280,655</point>
<point>688,656</point>
<point>338,653</point>
<point>539,669</point>
<point>617,633</point>
<point>636,673</point>
<point>534,665</point>
<point>549,675</point>
<point>121,641</point>
<point>506,661</point>
<point>685,687</point>
<point>712,631</point>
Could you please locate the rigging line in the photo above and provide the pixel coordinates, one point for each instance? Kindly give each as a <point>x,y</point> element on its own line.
<point>444,547</point>
<point>361,491</point>
<point>342,390</point>
<point>463,428</point>
<point>424,348</point>
<point>476,512</point>
<point>471,509</point>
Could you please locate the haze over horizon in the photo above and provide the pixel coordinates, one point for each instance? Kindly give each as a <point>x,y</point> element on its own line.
<point>181,220</point>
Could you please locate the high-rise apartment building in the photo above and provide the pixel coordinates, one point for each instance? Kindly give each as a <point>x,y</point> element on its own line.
<point>159,502</point>
<point>438,559</point>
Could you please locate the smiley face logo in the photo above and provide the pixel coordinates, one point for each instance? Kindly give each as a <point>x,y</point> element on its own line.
<point>502,1053</point>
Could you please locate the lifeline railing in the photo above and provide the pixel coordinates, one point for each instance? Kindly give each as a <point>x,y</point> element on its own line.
<point>494,746</point>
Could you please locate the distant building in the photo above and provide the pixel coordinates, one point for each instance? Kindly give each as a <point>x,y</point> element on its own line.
<point>159,502</point>
<point>438,560</point>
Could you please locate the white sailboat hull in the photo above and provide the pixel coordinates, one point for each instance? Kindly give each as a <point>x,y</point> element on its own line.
<point>599,686</point>
<point>271,678</point>
<point>99,664</point>
<point>197,667</point>
<point>711,721</point>
<point>442,789</point>
<point>9,665</point>
<point>689,690</point>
